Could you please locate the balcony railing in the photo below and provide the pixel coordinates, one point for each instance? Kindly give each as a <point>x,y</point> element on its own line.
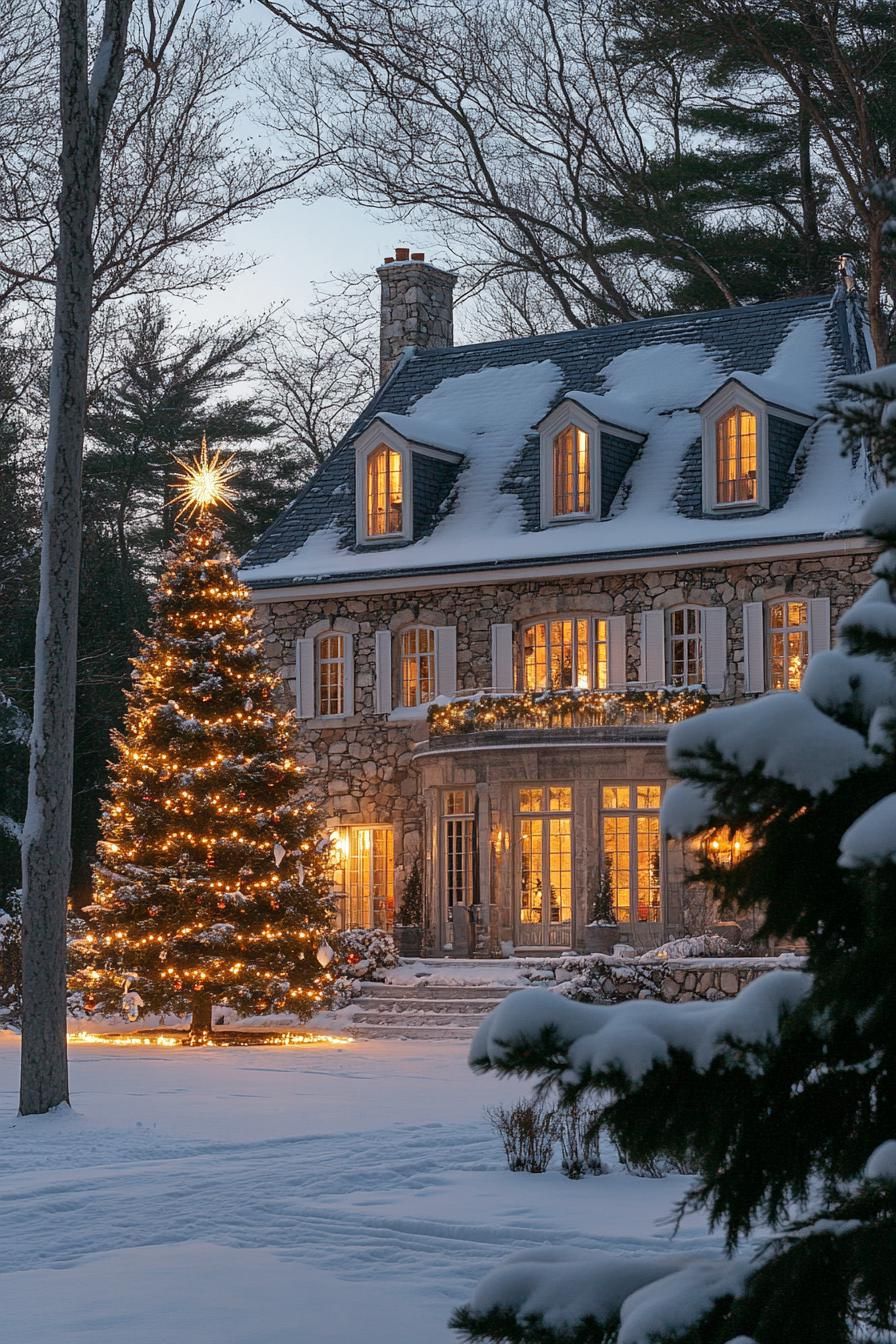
<point>493,711</point>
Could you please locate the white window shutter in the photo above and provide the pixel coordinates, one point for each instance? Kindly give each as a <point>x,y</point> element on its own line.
<point>348,693</point>
<point>819,624</point>
<point>754,647</point>
<point>305,678</point>
<point>502,657</point>
<point>383,651</point>
<point>653,648</point>
<point>616,670</point>
<point>446,659</point>
<point>715,648</point>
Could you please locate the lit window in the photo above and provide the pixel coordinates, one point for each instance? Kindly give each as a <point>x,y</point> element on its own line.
<point>736,458</point>
<point>572,472</point>
<point>458,848</point>
<point>630,850</point>
<point>788,644</point>
<point>384,492</point>
<point>544,848</point>
<point>364,878</point>
<point>556,654</point>
<point>686,647</point>
<point>331,675</point>
<point>418,666</point>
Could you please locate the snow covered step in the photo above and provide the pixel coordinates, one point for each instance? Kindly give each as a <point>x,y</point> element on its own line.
<point>428,990</point>
<point>382,1004</point>
<point>435,1020</point>
<point>425,1011</point>
<point>409,1033</point>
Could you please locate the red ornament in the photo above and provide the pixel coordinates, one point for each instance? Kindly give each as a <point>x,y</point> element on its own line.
<point>275,905</point>
<point>353,958</point>
<point>222,905</point>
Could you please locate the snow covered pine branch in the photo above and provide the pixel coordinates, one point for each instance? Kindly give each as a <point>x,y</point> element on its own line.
<point>782,1102</point>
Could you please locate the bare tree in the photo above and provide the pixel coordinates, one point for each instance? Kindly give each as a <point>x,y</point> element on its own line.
<point>315,373</point>
<point>85,102</point>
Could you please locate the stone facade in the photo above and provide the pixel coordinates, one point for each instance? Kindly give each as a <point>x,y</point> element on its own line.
<point>416,307</point>
<point>377,769</point>
<point>615,979</point>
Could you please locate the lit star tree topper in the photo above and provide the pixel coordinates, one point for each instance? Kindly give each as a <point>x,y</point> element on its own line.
<point>212,882</point>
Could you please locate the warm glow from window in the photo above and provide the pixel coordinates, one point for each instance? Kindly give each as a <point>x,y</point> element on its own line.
<point>686,647</point>
<point>724,847</point>
<point>544,846</point>
<point>630,850</point>
<point>418,666</point>
<point>572,472</point>
<point>458,847</point>
<point>365,877</point>
<point>556,654</point>
<point>331,675</point>
<point>384,492</point>
<point>788,645</point>
<point>736,458</point>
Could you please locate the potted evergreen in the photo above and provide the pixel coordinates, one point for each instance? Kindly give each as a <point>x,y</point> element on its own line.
<point>409,925</point>
<point>602,931</point>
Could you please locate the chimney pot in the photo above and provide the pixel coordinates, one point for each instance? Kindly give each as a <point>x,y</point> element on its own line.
<point>418,256</point>
<point>402,253</point>
<point>387,261</point>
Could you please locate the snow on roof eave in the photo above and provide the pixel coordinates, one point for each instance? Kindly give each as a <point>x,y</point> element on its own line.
<point>401,425</point>
<point>570,557</point>
<point>600,405</point>
<point>768,390</point>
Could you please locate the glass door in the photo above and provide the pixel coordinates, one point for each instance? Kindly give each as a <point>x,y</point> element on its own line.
<point>544,866</point>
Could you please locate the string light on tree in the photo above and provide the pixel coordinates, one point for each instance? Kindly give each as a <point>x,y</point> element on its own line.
<point>212,881</point>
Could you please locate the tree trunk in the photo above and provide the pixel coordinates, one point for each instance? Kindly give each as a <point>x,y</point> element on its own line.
<point>201,1018</point>
<point>46,839</point>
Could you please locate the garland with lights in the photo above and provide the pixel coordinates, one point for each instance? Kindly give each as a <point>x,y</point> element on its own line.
<point>211,884</point>
<point>566,708</point>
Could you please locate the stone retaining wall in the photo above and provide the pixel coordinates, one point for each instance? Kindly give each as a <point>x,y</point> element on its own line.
<point>599,979</point>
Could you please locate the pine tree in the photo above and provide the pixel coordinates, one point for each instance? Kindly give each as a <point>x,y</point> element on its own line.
<point>211,884</point>
<point>782,1101</point>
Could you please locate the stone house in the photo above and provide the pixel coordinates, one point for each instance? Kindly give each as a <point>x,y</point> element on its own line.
<point>524,560</point>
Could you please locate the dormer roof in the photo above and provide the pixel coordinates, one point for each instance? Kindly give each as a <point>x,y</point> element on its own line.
<point>484,403</point>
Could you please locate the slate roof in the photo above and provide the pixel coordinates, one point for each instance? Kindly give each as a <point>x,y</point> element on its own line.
<point>313,539</point>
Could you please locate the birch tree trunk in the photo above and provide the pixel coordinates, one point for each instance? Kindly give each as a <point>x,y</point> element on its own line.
<point>85,103</point>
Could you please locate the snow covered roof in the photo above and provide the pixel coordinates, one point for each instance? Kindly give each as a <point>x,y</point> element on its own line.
<point>485,402</point>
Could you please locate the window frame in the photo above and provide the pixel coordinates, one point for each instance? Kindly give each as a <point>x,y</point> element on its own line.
<point>342,877</point>
<point>785,629</point>
<point>729,397</point>
<point>431,654</point>
<point>463,822</point>
<point>592,619</point>
<point>379,436</point>
<point>568,416</point>
<point>545,814</point>
<point>342,662</point>
<point>632,812</point>
<point>742,477</point>
<point>683,608</point>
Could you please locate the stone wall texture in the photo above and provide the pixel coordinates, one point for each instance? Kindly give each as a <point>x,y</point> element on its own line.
<point>598,979</point>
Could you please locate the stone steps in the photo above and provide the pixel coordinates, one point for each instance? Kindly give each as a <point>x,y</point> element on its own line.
<point>426,1012</point>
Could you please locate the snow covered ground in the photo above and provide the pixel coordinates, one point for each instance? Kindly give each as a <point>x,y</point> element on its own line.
<point>321,1195</point>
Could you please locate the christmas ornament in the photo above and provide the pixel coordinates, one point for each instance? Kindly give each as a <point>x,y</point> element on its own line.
<point>325,954</point>
<point>279,854</point>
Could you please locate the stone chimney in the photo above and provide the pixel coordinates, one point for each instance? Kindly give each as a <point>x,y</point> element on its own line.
<point>416,306</point>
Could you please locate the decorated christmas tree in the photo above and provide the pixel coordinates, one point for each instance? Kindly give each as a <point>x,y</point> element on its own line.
<point>211,885</point>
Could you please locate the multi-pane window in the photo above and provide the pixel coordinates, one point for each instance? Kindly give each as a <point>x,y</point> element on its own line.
<point>572,472</point>
<point>458,848</point>
<point>686,647</point>
<point>630,850</point>
<point>331,675</point>
<point>788,644</point>
<point>736,458</point>
<point>384,492</point>
<point>544,848</point>
<point>418,665</point>
<point>566,652</point>
<point>365,877</point>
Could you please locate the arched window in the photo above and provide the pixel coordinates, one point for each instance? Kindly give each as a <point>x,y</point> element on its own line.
<point>331,674</point>
<point>686,647</point>
<point>572,472</point>
<point>418,665</point>
<point>788,644</point>
<point>385,492</point>
<point>736,457</point>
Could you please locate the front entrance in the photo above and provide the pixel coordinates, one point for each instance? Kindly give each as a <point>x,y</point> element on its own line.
<point>544,859</point>
<point>364,878</point>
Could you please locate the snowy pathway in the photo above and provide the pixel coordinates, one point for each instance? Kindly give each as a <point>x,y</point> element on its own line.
<point>263,1196</point>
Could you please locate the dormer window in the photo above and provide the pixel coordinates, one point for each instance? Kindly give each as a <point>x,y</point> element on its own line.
<point>572,472</point>
<point>385,492</point>
<point>736,458</point>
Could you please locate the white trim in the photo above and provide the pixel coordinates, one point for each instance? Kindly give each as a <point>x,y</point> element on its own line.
<point>382,642</point>
<point>446,659</point>
<point>673,558</point>
<point>722,402</point>
<point>565,416</point>
<point>714,635</point>
<point>754,647</point>
<point>502,656</point>
<point>367,444</point>
<point>380,431</point>
<point>653,647</point>
<point>618,651</point>
<point>773,407</point>
<point>819,611</point>
<point>306,678</point>
<point>425,748</point>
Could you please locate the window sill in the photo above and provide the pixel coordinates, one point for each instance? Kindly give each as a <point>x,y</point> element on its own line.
<point>409,713</point>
